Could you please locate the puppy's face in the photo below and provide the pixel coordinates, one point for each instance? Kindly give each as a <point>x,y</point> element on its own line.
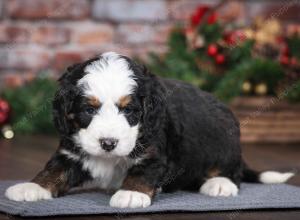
<point>102,111</point>
<point>108,112</point>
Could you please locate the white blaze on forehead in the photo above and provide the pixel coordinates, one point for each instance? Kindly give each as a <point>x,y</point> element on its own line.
<point>108,78</point>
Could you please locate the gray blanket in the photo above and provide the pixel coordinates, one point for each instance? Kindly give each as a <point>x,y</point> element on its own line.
<point>251,196</point>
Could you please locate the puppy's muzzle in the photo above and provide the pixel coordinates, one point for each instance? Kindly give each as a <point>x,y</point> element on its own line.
<point>108,144</point>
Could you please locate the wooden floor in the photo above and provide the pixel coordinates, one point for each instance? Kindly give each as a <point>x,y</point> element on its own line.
<point>23,157</point>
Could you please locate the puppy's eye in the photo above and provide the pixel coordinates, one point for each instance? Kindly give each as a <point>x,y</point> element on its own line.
<point>127,111</point>
<point>90,110</point>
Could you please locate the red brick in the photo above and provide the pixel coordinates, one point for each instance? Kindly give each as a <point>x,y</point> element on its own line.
<point>29,76</point>
<point>142,52</point>
<point>15,78</point>
<point>162,33</point>
<point>142,33</point>
<point>92,34</point>
<point>50,35</point>
<point>13,34</point>
<point>29,58</point>
<point>117,47</point>
<point>121,10</point>
<point>233,11</point>
<point>135,33</point>
<point>11,80</point>
<point>43,9</point>
<point>282,10</point>
<point>63,59</point>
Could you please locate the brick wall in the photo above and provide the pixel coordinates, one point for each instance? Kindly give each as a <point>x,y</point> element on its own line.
<point>47,35</point>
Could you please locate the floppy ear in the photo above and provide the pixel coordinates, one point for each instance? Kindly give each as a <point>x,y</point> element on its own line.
<point>63,102</point>
<point>154,105</point>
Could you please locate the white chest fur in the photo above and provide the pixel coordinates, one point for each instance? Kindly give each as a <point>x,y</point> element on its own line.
<point>108,173</point>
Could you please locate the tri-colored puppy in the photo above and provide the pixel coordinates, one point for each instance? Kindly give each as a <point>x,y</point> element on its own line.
<point>123,128</point>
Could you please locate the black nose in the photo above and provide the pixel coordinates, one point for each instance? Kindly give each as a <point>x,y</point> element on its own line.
<point>108,144</point>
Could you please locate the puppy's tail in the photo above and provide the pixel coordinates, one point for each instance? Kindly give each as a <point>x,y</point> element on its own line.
<point>267,177</point>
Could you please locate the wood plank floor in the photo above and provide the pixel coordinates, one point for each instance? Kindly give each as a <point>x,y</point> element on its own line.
<point>23,157</point>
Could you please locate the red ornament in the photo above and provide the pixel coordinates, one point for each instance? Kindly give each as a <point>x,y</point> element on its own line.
<point>4,106</point>
<point>235,37</point>
<point>220,59</point>
<point>195,19</point>
<point>212,50</point>
<point>229,38</point>
<point>4,111</point>
<point>198,14</point>
<point>3,118</point>
<point>212,18</point>
<point>285,50</point>
<point>284,60</point>
<point>280,39</point>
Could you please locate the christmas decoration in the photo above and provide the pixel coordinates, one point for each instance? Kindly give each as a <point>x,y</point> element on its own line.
<point>199,42</point>
<point>247,87</point>
<point>261,89</point>
<point>4,112</point>
<point>220,59</point>
<point>31,107</point>
<point>219,56</point>
<point>212,50</point>
<point>199,13</point>
<point>284,60</point>
<point>231,60</point>
<point>212,18</point>
<point>7,132</point>
<point>4,119</point>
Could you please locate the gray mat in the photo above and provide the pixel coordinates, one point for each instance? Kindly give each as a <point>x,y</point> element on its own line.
<point>251,196</point>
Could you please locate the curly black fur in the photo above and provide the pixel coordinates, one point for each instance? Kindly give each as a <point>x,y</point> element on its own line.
<point>185,133</point>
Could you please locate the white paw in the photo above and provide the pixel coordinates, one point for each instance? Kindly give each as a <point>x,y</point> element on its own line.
<point>219,186</point>
<point>29,192</point>
<point>129,199</point>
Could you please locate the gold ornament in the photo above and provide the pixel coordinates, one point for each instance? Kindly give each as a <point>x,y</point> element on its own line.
<point>261,89</point>
<point>246,87</point>
<point>266,31</point>
<point>262,37</point>
<point>272,27</point>
<point>249,33</point>
<point>7,132</point>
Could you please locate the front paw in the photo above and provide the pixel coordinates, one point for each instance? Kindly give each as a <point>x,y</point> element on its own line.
<point>130,199</point>
<point>29,192</point>
<point>219,186</point>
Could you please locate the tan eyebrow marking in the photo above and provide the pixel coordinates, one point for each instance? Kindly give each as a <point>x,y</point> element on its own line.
<point>124,101</point>
<point>93,101</point>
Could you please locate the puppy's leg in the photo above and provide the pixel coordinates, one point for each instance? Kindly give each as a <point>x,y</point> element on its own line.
<point>139,186</point>
<point>58,176</point>
<point>219,186</point>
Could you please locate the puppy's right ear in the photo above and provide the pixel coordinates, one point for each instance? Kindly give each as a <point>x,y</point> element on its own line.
<point>63,102</point>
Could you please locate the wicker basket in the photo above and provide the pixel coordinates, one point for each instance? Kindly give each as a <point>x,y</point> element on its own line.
<point>267,120</point>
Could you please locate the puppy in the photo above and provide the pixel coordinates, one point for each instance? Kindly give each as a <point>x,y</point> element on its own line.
<point>125,129</point>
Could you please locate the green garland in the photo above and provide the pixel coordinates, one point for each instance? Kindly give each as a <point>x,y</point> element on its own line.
<point>225,80</point>
<point>32,106</point>
<point>256,71</point>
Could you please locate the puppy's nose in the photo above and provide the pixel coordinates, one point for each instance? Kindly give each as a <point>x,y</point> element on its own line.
<point>108,144</point>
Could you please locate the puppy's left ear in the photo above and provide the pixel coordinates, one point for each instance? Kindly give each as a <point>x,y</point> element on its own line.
<point>63,102</point>
<point>154,104</point>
